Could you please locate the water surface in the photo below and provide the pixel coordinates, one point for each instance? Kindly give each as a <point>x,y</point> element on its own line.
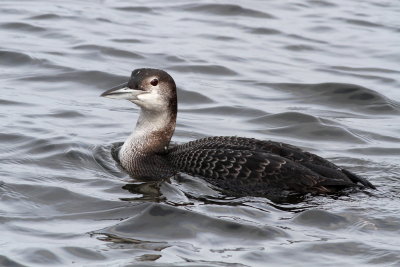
<point>323,75</point>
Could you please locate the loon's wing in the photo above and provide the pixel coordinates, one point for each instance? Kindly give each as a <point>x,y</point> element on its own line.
<point>245,172</point>
<point>242,143</point>
<point>309,160</point>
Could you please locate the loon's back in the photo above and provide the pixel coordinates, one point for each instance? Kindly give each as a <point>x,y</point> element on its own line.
<point>247,166</point>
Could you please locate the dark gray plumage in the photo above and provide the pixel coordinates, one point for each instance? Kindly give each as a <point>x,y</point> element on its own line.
<point>241,166</point>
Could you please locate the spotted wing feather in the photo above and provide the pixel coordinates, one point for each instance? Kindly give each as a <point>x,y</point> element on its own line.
<point>247,172</point>
<point>285,165</point>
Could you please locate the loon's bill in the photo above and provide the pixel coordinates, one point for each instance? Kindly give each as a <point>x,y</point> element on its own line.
<point>239,166</point>
<point>122,91</point>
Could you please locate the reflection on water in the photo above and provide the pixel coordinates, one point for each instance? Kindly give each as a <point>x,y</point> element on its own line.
<point>322,75</point>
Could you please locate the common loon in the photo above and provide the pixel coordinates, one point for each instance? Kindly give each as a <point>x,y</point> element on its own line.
<point>238,165</point>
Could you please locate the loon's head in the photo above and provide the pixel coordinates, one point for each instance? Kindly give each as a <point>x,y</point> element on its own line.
<point>150,89</point>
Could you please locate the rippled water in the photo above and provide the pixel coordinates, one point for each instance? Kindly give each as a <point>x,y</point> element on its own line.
<point>320,74</point>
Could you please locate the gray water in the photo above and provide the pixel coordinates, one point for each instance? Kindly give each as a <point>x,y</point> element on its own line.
<point>323,75</point>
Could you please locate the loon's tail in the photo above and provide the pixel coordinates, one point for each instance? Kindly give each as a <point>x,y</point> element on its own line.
<point>358,179</point>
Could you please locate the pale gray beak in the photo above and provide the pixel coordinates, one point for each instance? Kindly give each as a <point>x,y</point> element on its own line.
<point>122,91</point>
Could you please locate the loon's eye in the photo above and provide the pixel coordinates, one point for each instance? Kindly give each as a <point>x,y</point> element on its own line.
<point>154,82</point>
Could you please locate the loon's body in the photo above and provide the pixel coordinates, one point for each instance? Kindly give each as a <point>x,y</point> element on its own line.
<point>241,166</point>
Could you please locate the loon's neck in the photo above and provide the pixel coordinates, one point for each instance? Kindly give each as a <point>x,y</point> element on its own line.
<point>151,135</point>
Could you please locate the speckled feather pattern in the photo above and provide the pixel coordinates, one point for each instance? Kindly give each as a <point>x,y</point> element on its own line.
<point>247,165</point>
